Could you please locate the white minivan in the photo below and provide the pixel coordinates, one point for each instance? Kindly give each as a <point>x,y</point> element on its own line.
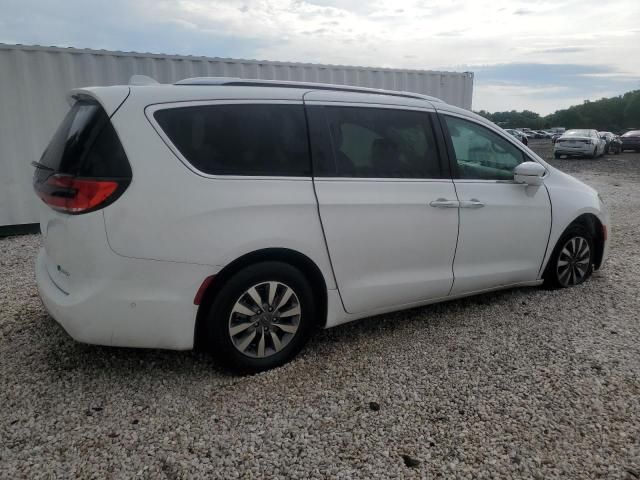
<point>238,215</point>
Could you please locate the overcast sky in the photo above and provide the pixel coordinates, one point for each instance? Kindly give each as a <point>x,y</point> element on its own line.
<point>539,55</point>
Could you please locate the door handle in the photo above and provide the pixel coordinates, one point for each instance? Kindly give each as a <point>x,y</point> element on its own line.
<point>473,203</point>
<point>444,203</point>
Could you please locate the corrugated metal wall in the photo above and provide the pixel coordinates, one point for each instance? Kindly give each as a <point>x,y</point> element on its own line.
<point>34,81</point>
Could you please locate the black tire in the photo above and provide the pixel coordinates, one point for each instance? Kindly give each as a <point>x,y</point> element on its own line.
<point>595,153</point>
<point>218,336</point>
<point>556,155</point>
<point>553,273</point>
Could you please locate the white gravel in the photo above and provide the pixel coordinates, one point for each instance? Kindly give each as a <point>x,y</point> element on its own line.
<point>526,383</point>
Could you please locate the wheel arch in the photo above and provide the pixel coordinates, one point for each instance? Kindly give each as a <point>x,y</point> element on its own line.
<point>296,259</point>
<point>592,223</point>
<point>595,227</point>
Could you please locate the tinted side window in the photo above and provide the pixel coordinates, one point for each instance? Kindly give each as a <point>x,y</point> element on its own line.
<point>240,139</point>
<point>381,143</point>
<point>480,153</point>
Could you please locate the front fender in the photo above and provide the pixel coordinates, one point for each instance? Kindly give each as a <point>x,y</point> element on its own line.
<point>570,198</point>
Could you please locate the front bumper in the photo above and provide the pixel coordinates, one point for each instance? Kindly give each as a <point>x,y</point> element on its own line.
<point>135,303</point>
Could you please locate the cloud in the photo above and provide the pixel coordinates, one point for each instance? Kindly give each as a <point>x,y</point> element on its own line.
<point>507,42</point>
<point>548,86</point>
<point>562,50</point>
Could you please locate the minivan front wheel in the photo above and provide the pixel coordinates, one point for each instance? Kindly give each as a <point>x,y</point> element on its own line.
<point>261,317</point>
<point>572,260</point>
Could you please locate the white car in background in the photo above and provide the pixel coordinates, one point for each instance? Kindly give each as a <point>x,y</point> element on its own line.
<point>237,215</point>
<point>518,134</point>
<point>581,142</point>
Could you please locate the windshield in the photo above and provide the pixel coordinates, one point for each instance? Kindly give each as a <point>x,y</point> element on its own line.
<point>632,133</point>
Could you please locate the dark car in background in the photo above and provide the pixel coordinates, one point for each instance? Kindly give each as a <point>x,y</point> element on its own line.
<point>631,140</point>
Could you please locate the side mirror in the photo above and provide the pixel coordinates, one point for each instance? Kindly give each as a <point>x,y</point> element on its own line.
<point>530,173</point>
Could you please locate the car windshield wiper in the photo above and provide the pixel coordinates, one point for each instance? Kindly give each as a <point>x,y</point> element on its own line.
<point>42,166</point>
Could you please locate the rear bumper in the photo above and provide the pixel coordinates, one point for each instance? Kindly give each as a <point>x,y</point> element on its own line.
<point>134,303</point>
<point>631,145</point>
<point>585,149</point>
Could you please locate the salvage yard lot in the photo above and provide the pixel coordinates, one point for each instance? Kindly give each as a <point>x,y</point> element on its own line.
<point>525,383</point>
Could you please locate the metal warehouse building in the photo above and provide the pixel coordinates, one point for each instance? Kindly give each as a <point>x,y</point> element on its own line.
<point>34,81</point>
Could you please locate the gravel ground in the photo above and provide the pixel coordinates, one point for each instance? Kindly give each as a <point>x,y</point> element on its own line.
<point>524,383</point>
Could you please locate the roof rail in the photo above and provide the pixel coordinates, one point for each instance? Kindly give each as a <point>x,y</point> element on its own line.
<point>241,82</point>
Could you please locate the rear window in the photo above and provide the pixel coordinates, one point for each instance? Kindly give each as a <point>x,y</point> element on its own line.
<point>578,133</point>
<point>242,139</point>
<point>85,145</point>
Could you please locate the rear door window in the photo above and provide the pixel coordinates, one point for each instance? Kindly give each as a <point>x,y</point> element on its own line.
<point>240,139</point>
<point>377,143</point>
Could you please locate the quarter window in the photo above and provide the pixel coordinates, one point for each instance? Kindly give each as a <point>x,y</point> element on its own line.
<point>380,143</point>
<point>234,139</point>
<point>480,153</point>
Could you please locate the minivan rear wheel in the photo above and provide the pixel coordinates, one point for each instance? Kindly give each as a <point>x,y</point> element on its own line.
<point>571,262</point>
<point>261,318</point>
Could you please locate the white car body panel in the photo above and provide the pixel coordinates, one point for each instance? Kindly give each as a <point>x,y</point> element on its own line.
<point>127,274</point>
<point>570,199</point>
<point>394,224</point>
<point>103,298</point>
<point>504,241</point>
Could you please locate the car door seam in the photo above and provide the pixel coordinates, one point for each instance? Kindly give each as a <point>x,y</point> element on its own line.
<point>455,250</point>
<point>315,195</point>
<point>546,250</point>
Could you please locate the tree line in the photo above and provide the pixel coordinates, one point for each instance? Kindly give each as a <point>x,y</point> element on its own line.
<point>615,114</point>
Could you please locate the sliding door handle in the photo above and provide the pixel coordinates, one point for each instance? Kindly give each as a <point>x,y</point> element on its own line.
<point>473,203</point>
<point>444,203</point>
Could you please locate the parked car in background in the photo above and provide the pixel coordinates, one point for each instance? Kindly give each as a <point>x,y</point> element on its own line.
<point>631,140</point>
<point>580,142</point>
<point>519,135</point>
<point>239,215</point>
<point>532,133</point>
<point>527,133</point>
<point>613,144</point>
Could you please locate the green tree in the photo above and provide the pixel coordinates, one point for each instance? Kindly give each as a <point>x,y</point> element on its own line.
<point>613,114</point>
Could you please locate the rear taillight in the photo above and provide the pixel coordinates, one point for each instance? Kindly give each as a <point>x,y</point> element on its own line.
<point>78,195</point>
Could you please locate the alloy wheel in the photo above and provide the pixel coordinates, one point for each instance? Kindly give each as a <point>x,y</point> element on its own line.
<point>264,319</point>
<point>574,262</point>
